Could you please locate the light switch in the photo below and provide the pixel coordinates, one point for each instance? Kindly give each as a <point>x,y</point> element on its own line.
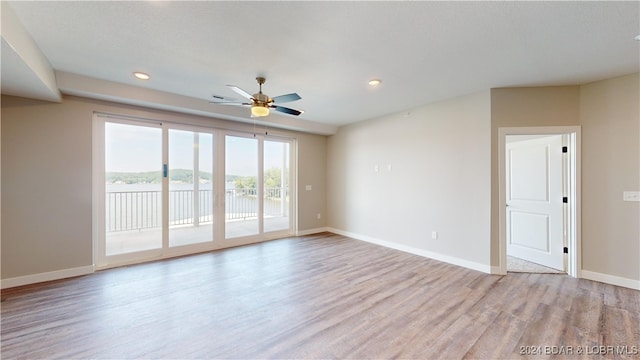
<point>376,167</point>
<point>631,195</point>
<point>308,187</point>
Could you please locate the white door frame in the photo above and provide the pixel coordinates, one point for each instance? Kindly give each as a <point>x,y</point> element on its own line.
<point>572,225</point>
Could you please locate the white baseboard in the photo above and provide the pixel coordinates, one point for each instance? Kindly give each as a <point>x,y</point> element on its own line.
<point>312,231</point>
<point>420,252</point>
<point>47,276</point>
<point>610,279</point>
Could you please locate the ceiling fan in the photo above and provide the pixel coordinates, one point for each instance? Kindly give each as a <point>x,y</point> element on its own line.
<point>261,103</point>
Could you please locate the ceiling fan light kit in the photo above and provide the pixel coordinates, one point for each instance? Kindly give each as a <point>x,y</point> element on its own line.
<point>259,111</point>
<point>261,103</point>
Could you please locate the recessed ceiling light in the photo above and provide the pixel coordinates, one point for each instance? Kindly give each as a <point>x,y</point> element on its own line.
<point>375,82</point>
<point>638,38</point>
<point>141,75</point>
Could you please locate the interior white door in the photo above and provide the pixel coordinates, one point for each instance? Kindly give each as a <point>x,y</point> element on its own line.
<point>534,214</point>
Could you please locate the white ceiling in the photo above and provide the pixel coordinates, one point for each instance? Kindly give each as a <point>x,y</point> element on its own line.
<point>324,51</point>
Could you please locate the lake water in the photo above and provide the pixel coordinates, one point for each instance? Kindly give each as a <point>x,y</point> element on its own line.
<point>138,206</point>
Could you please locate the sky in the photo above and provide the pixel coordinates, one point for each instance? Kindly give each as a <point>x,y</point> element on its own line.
<point>130,148</point>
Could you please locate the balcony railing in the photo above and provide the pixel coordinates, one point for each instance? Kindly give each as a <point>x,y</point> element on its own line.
<point>133,210</point>
<point>138,210</point>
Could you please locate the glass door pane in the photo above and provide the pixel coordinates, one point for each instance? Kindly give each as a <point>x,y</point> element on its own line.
<point>276,186</point>
<point>133,188</point>
<point>241,176</point>
<point>190,187</point>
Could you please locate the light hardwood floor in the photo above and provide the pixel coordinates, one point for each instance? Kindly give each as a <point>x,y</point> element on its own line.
<point>318,296</point>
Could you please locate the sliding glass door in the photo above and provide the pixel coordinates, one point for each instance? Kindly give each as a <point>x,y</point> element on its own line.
<point>242,192</point>
<point>158,190</point>
<point>190,177</point>
<point>276,184</point>
<point>258,179</point>
<point>133,187</point>
<point>166,189</point>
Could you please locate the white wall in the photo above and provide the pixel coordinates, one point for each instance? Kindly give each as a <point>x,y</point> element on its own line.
<point>439,180</point>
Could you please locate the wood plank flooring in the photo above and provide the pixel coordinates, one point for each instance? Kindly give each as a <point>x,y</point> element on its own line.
<point>318,296</point>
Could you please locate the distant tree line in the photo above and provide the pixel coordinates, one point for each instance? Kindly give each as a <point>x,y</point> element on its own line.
<point>155,177</point>
<point>272,178</point>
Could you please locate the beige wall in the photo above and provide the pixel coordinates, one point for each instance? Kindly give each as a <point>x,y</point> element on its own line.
<point>513,107</point>
<point>46,187</point>
<point>610,119</point>
<point>424,149</point>
<point>608,112</point>
<point>439,178</point>
<point>46,184</point>
<point>443,159</point>
<point>312,170</point>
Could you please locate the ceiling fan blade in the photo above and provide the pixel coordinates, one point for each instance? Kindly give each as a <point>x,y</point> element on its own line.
<point>286,98</point>
<point>286,110</point>
<point>223,98</point>
<point>228,103</point>
<point>241,92</point>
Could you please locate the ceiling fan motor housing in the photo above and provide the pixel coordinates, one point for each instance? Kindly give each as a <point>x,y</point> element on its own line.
<point>261,99</point>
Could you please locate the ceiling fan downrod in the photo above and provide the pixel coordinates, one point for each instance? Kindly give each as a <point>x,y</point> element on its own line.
<point>261,99</point>
<point>260,81</point>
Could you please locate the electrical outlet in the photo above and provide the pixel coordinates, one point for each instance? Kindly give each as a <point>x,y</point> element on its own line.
<point>434,235</point>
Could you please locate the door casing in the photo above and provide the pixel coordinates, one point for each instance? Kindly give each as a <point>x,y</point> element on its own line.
<point>572,225</point>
